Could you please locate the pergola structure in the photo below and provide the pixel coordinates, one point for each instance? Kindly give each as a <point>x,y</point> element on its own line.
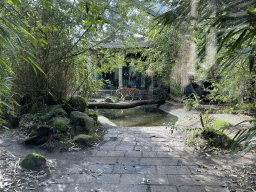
<point>118,45</point>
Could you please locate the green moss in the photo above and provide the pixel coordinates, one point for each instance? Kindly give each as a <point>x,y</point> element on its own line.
<point>213,134</point>
<point>216,138</point>
<point>60,126</point>
<point>33,133</point>
<point>92,114</point>
<point>83,139</point>
<point>220,124</point>
<point>78,103</point>
<point>33,161</point>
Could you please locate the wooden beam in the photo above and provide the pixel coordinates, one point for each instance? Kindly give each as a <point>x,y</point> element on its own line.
<point>123,105</point>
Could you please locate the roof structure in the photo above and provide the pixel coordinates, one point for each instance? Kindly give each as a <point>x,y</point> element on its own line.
<point>120,44</point>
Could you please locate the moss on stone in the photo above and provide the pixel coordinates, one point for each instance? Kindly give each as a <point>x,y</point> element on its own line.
<point>60,126</point>
<point>83,139</point>
<point>33,133</point>
<point>59,112</point>
<point>81,122</point>
<point>78,103</point>
<point>33,161</point>
<point>92,114</point>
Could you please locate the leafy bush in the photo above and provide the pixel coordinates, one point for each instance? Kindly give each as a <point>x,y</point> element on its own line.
<point>247,137</point>
<point>161,92</point>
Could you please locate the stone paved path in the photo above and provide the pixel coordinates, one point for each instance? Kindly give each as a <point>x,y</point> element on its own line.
<point>136,160</point>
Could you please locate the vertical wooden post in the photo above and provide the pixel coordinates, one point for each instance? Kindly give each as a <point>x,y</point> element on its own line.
<point>120,76</point>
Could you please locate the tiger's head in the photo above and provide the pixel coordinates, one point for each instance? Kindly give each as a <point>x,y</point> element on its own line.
<point>121,89</point>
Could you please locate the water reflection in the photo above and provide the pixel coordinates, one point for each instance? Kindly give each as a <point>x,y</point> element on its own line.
<point>138,116</point>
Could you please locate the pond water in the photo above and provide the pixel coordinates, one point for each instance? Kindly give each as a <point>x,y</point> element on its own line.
<point>137,117</point>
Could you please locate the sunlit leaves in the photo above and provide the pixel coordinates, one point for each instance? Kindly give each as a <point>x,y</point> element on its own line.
<point>47,4</point>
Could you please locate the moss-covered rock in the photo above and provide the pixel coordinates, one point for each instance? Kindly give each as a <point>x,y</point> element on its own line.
<point>81,120</point>
<point>33,161</point>
<point>83,139</point>
<point>92,114</point>
<point>78,103</point>
<point>59,123</point>
<point>60,126</point>
<point>59,112</point>
<point>45,118</point>
<point>53,111</point>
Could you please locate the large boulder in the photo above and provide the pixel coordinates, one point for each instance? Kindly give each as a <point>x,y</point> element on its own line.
<point>33,161</point>
<point>59,123</point>
<point>92,114</point>
<point>77,103</point>
<point>54,111</point>
<point>81,122</point>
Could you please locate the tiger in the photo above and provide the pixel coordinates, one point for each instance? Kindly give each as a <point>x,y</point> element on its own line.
<point>133,92</point>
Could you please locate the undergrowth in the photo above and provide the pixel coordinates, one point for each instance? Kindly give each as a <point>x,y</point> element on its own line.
<point>212,134</point>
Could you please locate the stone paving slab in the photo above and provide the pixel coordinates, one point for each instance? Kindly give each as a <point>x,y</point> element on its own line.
<point>137,160</point>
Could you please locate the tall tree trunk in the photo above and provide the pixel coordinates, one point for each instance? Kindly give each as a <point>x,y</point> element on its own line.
<point>211,41</point>
<point>193,53</point>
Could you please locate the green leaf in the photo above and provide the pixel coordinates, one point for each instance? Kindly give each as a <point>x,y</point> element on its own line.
<point>5,65</point>
<point>43,41</point>
<point>16,2</point>
<point>251,62</point>
<point>91,29</point>
<point>35,65</point>
<point>238,42</point>
<point>46,4</point>
<point>251,106</point>
<point>252,10</point>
